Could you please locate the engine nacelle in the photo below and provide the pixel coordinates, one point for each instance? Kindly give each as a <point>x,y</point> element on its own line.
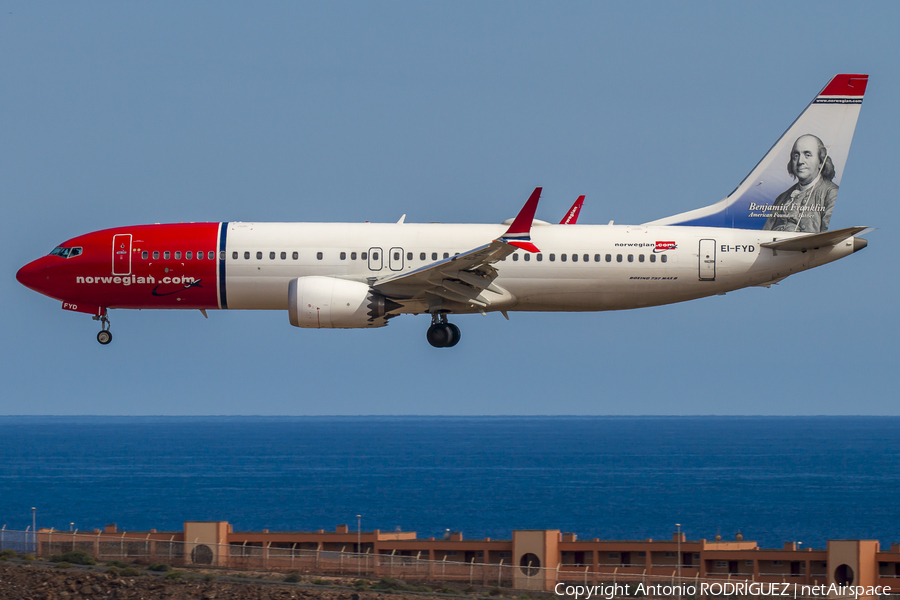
<point>328,302</point>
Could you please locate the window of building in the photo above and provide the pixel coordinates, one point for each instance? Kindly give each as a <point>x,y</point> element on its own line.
<point>664,258</point>
<point>284,256</point>
<point>319,256</point>
<point>167,254</point>
<point>612,555</point>
<point>641,554</point>
<point>631,258</point>
<point>618,258</point>
<point>295,255</point>
<point>451,552</point>
<point>777,563</point>
<point>652,258</point>
<point>271,256</point>
<point>145,254</point>
<point>670,555</point>
<point>343,256</point>
<point>188,255</point>
<point>505,555</point>
<point>721,564</point>
<point>421,256</point>
<point>748,563</point>
<point>640,258</point>
<point>178,255</point>
<point>246,256</point>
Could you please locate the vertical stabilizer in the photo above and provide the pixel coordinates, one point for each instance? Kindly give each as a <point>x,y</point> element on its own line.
<point>794,187</point>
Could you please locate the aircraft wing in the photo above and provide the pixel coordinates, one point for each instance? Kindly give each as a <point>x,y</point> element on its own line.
<point>465,276</point>
<point>572,216</point>
<point>815,240</point>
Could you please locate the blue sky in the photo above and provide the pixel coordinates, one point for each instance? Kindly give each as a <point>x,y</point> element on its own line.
<point>122,113</point>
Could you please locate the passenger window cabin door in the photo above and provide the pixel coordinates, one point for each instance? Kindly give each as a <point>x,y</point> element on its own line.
<point>707,260</point>
<point>396,259</point>
<point>121,254</point>
<point>375,259</point>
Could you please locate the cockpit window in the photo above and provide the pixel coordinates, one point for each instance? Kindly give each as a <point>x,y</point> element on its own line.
<point>66,252</point>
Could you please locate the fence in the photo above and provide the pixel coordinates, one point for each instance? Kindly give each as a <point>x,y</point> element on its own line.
<point>21,542</point>
<point>410,568</point>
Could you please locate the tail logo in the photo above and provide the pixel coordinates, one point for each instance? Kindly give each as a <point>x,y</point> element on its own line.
<point>795,185</point>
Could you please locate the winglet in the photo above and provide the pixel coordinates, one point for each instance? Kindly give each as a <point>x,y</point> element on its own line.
<point>572,216</point>
<point>519,233</point>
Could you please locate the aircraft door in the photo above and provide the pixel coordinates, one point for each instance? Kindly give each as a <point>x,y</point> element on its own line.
<point>396,259</point>
<point>707,260</point>
<point>121,258</point>
<point>375,259</point>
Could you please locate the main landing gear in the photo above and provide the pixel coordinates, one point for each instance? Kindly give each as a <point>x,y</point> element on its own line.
<point>442,334</point>
<point>105,335</point>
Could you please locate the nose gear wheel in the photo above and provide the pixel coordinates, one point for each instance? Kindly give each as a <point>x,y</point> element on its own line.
<point>104,336</point>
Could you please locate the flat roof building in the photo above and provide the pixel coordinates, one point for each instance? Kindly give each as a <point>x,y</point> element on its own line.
<point>531,559</point>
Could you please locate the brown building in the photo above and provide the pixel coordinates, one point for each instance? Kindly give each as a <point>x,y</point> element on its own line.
<point>532,559</point>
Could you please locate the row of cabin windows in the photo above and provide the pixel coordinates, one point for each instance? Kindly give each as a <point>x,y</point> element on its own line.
<point>434,256</point>
<point>166,254</point>
<point>587,257</point>
<point>353,255</point>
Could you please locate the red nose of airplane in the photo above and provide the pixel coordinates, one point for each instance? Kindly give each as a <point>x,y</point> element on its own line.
<point>33,275</point>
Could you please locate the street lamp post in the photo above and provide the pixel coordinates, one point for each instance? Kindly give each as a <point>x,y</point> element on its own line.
<point>358,544</point>
<point>679,559</point>
<point>34,527</point>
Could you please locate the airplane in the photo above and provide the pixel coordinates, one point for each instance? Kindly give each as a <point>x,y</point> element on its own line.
<point>360,275</point>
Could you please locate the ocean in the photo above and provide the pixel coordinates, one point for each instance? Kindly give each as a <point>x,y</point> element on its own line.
<point>773,479</point>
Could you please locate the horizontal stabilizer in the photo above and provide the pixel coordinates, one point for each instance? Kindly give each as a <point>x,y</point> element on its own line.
<point>816,240</point>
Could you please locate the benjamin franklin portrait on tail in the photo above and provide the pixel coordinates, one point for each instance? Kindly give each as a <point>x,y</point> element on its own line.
<point>806,206</point>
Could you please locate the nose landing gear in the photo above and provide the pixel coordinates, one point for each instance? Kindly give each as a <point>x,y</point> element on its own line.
<point>442,334</point>
<point>104,336</point>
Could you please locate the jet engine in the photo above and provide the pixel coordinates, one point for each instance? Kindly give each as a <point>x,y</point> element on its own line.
<point>328,302</point>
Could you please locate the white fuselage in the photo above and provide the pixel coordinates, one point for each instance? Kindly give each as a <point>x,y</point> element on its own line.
<point>616,266</point>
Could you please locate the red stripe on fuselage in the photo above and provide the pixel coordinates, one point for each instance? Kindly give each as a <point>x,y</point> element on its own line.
<point>149,282</point>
